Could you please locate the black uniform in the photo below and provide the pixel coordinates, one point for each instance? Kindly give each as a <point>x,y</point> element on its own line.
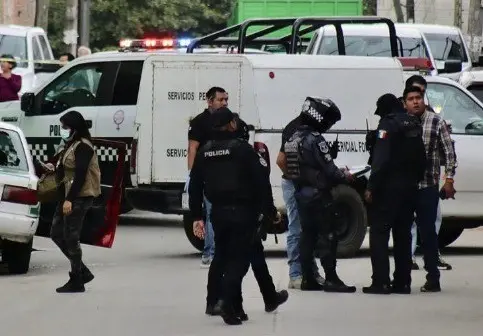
<point>398,165</point>
<point>310,166</point>
<point>231,175</point>
<point>271,297</point>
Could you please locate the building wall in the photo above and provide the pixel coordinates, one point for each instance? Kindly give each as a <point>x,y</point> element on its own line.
<point>427,11</point>
<point>19,12</point>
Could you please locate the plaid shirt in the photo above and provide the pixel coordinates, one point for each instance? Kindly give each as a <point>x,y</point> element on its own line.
<point>436,134</point>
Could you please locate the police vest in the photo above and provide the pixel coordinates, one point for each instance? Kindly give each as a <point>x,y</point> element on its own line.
<point>292,153</point>
<point>225,179</point>
<point>410,149</point>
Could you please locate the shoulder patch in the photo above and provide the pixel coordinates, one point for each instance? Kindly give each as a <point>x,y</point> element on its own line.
<point>263,162</point>
<point>382,134</point>
<point>323,147</point>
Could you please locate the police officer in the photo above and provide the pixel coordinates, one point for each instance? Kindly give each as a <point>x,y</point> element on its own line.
<point>233,178</point>
<point>399,161</point>
<point>271,297</point>
<point>311,168</point>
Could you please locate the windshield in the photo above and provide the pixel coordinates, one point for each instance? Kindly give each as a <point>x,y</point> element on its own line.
<point>447,47</point>
<point>372,46</point>
<point>12,154</point>
<point>15,46</point>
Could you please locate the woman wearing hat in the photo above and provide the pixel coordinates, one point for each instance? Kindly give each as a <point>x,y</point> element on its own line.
<point>10,84</point>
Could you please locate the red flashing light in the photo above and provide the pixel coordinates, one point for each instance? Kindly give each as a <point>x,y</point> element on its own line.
<point>148,43</point>
<point>416,64</point>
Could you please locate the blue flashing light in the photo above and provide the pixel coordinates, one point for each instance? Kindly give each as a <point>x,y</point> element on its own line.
<point>184,42</point>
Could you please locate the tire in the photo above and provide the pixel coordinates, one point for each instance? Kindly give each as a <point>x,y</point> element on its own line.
<point>188,229</point>
<point>448,234</point>
<point>351,222</point>
<point>17,256</point>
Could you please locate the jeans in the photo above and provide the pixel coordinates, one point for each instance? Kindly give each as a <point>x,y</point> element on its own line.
<point>426,210</point>
<point>414,231</point>
<point>209,248</point>
<point>294,230</point>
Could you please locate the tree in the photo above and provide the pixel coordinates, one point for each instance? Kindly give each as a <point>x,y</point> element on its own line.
<point>398,10</point>
<point>112,20</point>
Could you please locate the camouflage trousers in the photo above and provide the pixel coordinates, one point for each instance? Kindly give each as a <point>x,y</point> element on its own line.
<point>66,230</point>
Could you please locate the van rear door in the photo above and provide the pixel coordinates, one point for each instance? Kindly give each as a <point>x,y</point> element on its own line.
<point>179,95</point>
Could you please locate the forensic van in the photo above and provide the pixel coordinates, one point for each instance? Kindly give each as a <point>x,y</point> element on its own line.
<point>268,91</point>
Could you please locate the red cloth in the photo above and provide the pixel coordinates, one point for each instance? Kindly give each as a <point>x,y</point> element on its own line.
<point>9,88</point>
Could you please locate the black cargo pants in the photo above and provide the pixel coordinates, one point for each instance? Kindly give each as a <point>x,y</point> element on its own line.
<point>392,208</point>
<point>66,230</point>
<point>235,230</point>
<point>318,234</point>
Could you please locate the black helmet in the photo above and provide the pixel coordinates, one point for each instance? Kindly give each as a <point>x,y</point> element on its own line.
<point>320,113</point>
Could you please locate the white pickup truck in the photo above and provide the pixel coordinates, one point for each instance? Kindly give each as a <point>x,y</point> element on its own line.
<point>28,45</point>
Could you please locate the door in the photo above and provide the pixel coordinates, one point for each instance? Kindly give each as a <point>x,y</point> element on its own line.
<point>84,88</point>
<point>179,95</point>
<point>100,223</point>
<point>466,116</point>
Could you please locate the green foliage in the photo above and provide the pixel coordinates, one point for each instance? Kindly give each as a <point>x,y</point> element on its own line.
<point>112,20</point>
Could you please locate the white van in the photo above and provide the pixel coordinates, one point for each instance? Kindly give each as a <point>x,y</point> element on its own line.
<point>372,40</point>
<point>447,43</point>
<point>267,91</point>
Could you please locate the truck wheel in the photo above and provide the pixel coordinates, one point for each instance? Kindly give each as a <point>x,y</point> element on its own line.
<point>448,234</point>
<point>17,256</point>
<point>352,220</point>
<point>197,243</point>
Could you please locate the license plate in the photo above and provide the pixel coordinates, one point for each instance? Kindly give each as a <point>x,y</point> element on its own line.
<point>185,201</point>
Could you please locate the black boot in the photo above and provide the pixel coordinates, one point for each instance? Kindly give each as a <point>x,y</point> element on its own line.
<point>280,298</point>
<point>377,289</point>
<point>87,275</point>
<point>431,287</point>
<point>240,312</point>
<point>335,285</point>
<point>74,285</point>
<point>310,284</point>
<point>229,315</point>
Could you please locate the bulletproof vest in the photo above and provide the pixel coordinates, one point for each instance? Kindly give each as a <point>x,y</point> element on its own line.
<point>304,169</point>
<point>224,178</point>
<point>293,157</point>
<point>410,149</point>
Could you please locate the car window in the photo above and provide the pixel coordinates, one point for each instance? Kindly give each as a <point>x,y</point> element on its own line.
<point>12,153</point>
<point>15,46</point>
<point>477,90</point>
<point>36,50</point>
<point>372,46</point>
<point>465,114</point>
<point>447,47</point>
<point>78,86</point>
<point>127,83</point>
<point>45,47</point>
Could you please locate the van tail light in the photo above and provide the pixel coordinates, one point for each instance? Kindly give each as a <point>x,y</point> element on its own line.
<point>133,158</point>
<point>19,195</point>
<point>416,64</point>
<point>262,149</point>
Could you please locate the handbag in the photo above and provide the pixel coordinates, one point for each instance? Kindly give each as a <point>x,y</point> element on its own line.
<point>47,189</point>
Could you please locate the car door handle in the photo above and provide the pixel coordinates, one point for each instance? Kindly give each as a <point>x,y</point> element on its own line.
<point>89,124</point>
<point>9,119</point>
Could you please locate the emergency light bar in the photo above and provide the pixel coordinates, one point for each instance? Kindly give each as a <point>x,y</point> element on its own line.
<point>423,65</point>
<point>162,43</point>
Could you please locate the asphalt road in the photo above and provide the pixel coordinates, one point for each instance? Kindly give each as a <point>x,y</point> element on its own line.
<point>150,283</point>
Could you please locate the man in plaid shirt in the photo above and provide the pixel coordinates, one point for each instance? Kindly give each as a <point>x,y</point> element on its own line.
<point>435,133</point>
<point>419,81</point>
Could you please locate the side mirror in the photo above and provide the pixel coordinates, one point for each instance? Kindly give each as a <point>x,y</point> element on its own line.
<point>451,66</point>
<point>27,102</point>
<point>46,67</point>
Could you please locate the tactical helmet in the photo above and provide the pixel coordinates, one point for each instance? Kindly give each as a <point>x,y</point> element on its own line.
<point>321,113</point>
